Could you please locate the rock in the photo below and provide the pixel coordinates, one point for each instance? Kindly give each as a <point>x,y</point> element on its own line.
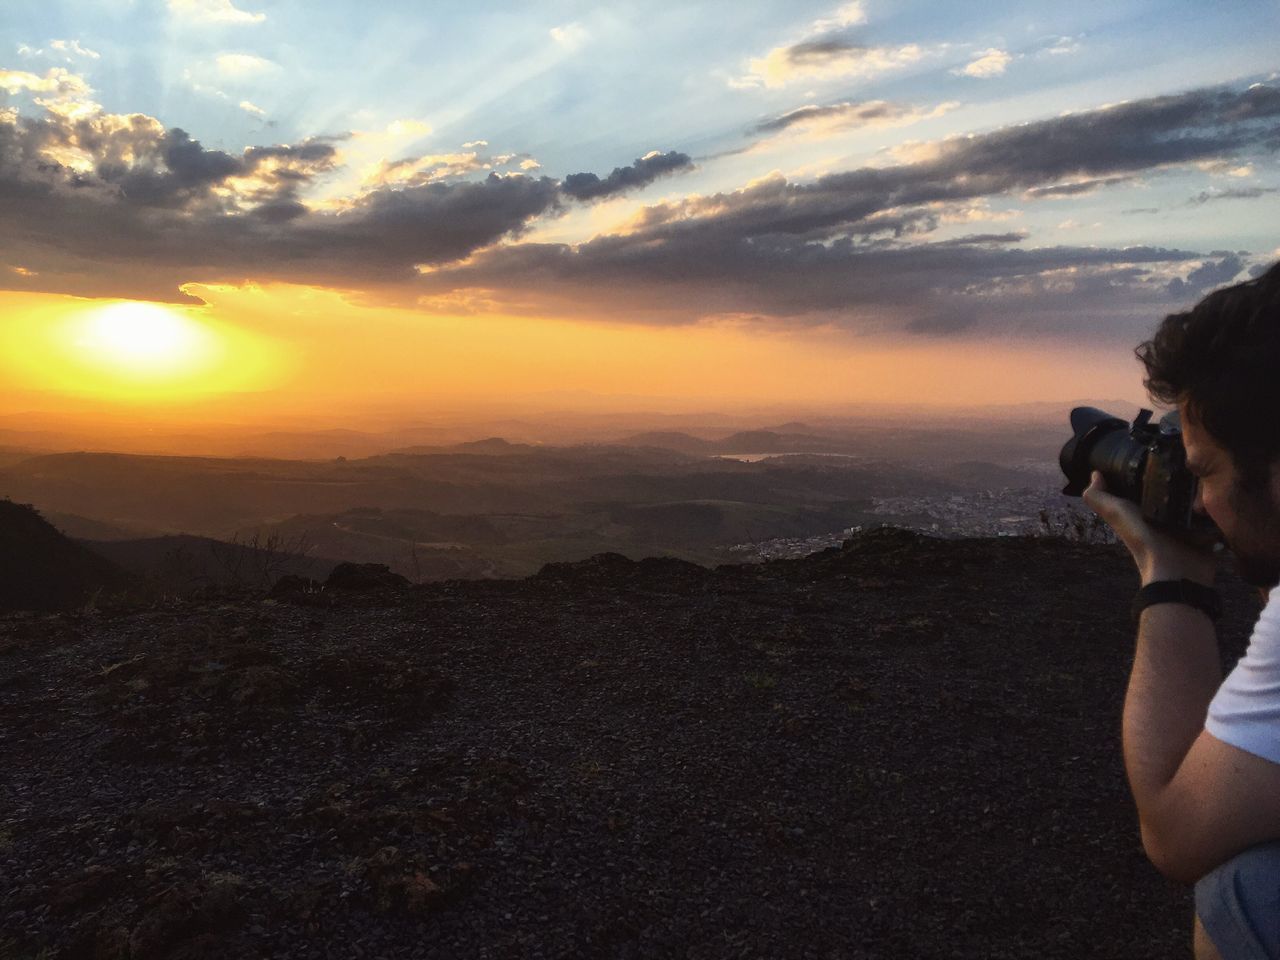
<point>291,584</point>
<point>601,566</point>
<point>364,577</point>
<point>93,884</point>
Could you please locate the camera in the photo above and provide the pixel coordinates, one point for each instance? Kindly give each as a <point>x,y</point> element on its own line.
<point>1141,461</point>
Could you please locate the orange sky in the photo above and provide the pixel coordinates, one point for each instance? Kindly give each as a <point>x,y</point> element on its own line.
<point>79,356</point>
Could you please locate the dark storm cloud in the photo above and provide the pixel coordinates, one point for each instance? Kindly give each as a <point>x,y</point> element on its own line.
<point>641,173</point>
<point>826,247</point>
<point>156,209</point>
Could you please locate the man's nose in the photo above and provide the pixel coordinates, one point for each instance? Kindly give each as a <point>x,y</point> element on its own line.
<point>1197,505</point>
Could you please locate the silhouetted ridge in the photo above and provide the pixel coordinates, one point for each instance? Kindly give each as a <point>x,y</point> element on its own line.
<point>40,569</point>
<point>670,573</point>
<point>902,732</point>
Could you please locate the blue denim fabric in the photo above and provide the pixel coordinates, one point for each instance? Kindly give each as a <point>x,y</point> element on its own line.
<point>1239,905</point>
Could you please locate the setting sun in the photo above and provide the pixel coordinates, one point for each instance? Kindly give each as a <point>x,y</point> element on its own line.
<point>130,351</point>
<point>145,340</point>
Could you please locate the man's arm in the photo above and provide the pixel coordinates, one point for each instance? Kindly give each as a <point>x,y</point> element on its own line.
<point>1200,801</point>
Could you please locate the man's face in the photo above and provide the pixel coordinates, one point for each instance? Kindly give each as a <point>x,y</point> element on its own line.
<point>1249,519</point>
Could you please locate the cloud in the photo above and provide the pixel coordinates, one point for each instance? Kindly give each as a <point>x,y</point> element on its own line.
<point>570,36</point>
<point>1226,168</point>
<point>250,107</point>
<point>828,59</point>
<point>1209,274</point>
<point>243,64</point>
<point>1061,46</point>
<point>56,81</point>
<point>852,245</point>
<point>1238,193</point>
<point>72,48</point>
<point>848,15</point>
<point>641,173</point>
<point>818,121</point>
<point>213,11</point>
<point>825,51</point>
<point>989,63</point>
<point>428,168</point>
<point>120,205</point>
<point>1078,188</point>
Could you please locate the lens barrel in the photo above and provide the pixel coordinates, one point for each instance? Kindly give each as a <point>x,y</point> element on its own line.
<point>1101,442</point>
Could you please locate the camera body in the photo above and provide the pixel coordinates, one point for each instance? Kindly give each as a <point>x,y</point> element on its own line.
<point>1143,461</point>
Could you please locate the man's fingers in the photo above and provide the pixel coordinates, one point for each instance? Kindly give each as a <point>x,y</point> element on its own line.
<point>1117,511</point>
<point>1096,496</point>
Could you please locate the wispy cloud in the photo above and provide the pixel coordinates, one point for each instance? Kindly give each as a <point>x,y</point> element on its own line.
<point>214,11</point>
<point>1079,188</point>
<point>1061,47</point>
<point>831,59</point>
<point>73,48</point>
<point>68,50</point>
<point>989,63</point>
<point>570,36</point>
<point>824,51</point>
<point>1239,193</point>
<point>819,121</point>
<point>243,64</point>
<point>250,107</point>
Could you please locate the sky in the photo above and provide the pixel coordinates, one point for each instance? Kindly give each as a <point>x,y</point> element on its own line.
<point>322,205</point>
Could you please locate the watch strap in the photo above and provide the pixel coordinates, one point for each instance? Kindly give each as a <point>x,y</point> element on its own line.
<point>1205,599</point>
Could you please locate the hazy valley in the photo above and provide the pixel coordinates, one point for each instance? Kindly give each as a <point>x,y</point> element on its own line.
<point>497,508</point>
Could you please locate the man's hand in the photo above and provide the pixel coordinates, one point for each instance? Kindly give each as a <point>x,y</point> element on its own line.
<point>1158,555</point>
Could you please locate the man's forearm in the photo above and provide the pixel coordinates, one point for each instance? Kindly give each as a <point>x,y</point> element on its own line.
<point>1176,672</point>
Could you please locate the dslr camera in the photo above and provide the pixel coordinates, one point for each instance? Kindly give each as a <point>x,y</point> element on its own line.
<point>1141,461</point>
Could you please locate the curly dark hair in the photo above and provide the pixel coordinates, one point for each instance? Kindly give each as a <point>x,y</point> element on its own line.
<point>1222,358</point>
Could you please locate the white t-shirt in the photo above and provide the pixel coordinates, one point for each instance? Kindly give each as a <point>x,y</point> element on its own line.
<point>1245,712</point>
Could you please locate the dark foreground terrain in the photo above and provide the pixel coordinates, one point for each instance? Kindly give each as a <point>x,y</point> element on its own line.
<point>905,748</point>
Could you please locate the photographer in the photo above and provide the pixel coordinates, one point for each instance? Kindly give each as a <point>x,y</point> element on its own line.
<point>1203,754</point>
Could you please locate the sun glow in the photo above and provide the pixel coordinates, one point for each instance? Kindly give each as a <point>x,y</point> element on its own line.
<point>128,351</point>
<point>146,340</point>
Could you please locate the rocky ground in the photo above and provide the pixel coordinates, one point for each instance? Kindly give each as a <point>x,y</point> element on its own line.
<point>902,748</point>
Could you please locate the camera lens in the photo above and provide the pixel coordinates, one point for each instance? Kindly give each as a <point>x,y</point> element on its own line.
<point>1093,428</point>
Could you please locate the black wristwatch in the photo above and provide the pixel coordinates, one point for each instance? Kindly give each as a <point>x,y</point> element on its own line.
<point>1205,599</point>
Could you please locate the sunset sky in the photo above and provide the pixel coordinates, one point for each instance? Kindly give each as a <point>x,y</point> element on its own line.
<point>325,205</point>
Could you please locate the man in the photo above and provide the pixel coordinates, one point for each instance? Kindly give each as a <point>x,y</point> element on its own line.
<point>1203,754</point>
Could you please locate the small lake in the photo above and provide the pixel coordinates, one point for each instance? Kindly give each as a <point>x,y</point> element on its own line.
<point>754,457</point>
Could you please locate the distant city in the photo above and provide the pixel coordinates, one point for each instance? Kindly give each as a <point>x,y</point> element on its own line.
<point>1007,512</point>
